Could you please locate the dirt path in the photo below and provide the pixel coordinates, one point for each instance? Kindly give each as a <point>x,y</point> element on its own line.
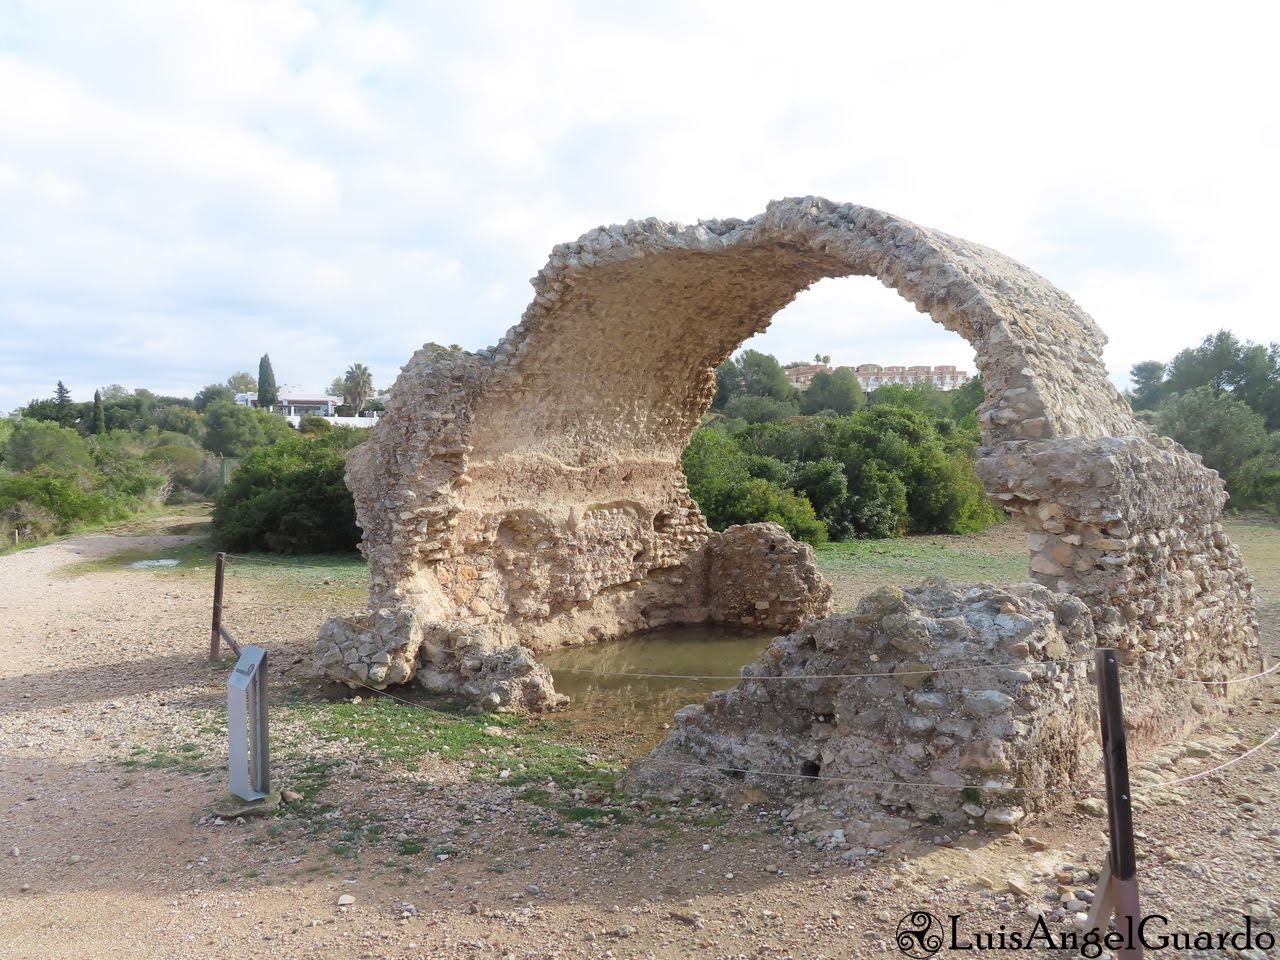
<point>107,847</point>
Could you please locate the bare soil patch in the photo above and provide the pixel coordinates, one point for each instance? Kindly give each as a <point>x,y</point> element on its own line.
<point>112,745</point>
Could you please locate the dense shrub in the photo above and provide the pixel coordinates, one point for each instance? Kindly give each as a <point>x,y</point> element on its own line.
<point>734,487</point>
<point>757,501</point>
<point>290,497</point>
<point>235,431</point>
<point>183,462</point>
<point>879,472</point>
<point>310,423</point>
<point>63,501</point>
<point>753,409</point>
<point>1257,482</point>
<point>43,443</point>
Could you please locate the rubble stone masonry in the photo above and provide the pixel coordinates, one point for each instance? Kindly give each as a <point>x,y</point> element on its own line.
<point>530,494</point>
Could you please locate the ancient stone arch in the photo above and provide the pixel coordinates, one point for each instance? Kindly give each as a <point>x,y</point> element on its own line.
<point>531,495</point>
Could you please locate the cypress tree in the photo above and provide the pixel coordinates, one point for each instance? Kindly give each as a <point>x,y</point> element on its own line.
<point>62,408</point>
<point>99,422</point>
<point>268,394</point>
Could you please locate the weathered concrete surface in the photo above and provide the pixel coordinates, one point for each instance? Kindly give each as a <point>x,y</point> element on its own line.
<point>531,494</point>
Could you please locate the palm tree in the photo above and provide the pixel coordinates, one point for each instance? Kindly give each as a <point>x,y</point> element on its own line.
<point>359,386</point>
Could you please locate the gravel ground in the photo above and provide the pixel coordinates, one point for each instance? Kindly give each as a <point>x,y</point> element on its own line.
<point>111,753</point>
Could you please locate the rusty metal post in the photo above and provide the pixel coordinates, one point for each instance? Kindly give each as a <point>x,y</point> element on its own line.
<point>1118,888</point>
<point>215,634</point>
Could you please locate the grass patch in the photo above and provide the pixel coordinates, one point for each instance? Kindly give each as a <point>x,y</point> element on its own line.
<point>911,559</point>
<point>544,771</point>
<point>186,758</point>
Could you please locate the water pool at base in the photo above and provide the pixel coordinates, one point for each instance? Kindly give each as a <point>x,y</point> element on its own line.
<point>636,708</point>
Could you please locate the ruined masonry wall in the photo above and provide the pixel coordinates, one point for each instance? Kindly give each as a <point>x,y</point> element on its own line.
<point>1011,737</point>
<point>530,495</point>
<point>1000,742</point>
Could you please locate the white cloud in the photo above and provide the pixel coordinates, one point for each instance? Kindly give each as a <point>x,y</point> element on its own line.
<point>187,186</point>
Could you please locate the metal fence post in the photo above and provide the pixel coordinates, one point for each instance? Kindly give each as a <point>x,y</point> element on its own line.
<point>247,752</point>
<point>1118,886</point>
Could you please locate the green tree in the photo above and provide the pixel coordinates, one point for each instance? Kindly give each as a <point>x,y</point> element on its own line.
<point>759,501</point>
<point>268,394</point>
<point>63,409</point>
<point>1256,381</point>
<point>728,384</point>
<point>755,409</point>
<point>1212,364</point>
<point>310,423</point>
<point>1257,482</point>
<point>183,462</point>
<point>1222,429</point>
<point>174,419</point>
<point>40,410</point>
<point>98,421</point>
<point>44,444</point>
<point>713,464</point>
<point>966,399</point>
<point>1149,387</point>
<point>358,382</point>
<point>732,487</point>
<point>213,393</point>
<point>823,483</point>
<point>924,397</point>
<point>242,382</point>
<point>231,430</point>
<point>763,376</point>
<point>900,473</point>
<point>838,390</point>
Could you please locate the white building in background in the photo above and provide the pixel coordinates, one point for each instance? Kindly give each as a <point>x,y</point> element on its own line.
<point>872,375</point>
<point>295,406</point>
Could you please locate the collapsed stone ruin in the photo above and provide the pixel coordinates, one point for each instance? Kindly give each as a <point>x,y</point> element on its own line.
<point>888,703</point>
<point>530,495</point>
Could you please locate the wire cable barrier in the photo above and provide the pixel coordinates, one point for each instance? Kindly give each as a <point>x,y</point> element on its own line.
<point>997,788</point>
<point>739,771</point>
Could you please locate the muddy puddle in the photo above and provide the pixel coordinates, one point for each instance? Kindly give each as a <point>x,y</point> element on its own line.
<point>636,708</point>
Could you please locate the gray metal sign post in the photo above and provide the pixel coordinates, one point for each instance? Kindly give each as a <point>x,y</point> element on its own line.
<point>247,726</point>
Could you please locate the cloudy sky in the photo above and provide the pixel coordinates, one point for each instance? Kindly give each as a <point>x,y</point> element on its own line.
<point>186,186</point>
